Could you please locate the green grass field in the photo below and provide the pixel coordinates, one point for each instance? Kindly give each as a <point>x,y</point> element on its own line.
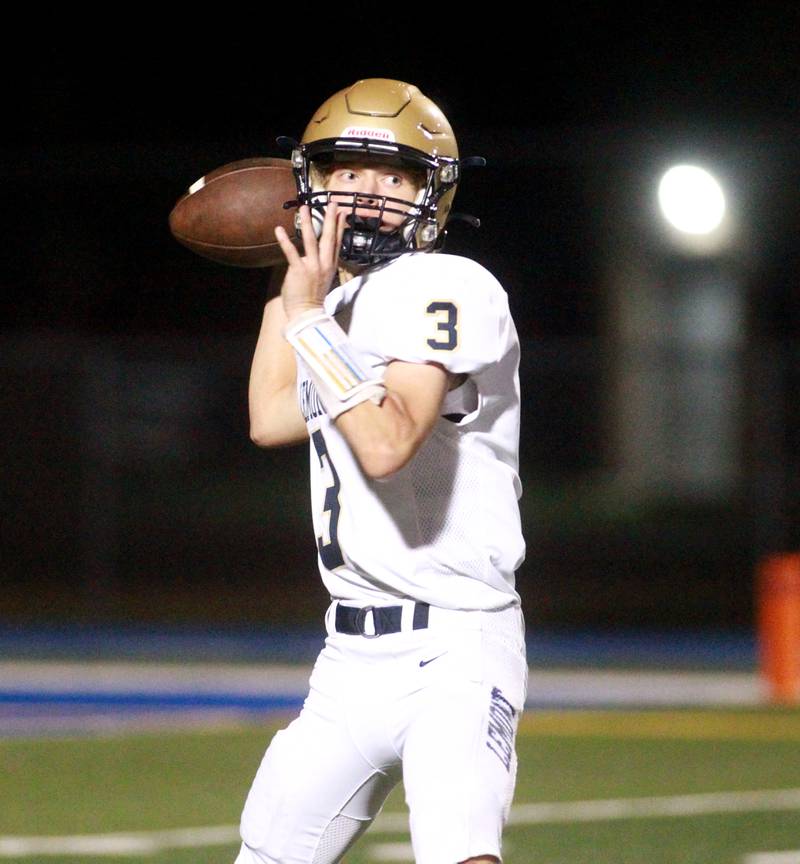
<point>155,781</point>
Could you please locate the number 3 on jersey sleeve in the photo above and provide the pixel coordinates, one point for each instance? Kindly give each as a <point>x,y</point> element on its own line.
<point>329,551</point>
<point>446,318</point>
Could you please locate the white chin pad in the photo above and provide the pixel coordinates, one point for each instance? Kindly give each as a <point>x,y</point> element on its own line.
<point>317,219</point>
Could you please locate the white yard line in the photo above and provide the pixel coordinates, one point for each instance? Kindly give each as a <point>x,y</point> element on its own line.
<point>154,678</point>
<point>546,686</point>
<point>790,857</point>
<point>150,842</point>
<point>645,687</point>
<point>391,852</point>
<point>631,808</point>
<point>128,843</point>
<point>647,808</point>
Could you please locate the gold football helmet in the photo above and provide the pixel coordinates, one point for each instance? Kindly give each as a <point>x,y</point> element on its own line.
<point>390,122</point>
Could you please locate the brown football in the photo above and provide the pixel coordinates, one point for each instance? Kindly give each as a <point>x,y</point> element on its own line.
<point>231,213</point>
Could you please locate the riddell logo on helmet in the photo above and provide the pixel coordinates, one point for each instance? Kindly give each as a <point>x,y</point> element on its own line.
<point>367,132</point>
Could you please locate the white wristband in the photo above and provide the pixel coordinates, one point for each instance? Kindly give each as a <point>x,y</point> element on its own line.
<point>341,376</point>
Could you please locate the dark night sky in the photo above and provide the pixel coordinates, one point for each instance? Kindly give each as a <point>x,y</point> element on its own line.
<point>116,123</point>
<point>108,120</point>
<point>719,63</point>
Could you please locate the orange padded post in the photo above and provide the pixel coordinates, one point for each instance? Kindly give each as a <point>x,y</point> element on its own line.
<point>778,613</point>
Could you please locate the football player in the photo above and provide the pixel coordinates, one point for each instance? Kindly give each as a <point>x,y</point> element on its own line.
<point>399,366</point>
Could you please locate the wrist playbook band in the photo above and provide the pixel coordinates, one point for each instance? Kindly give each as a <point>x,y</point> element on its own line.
<point>341,376</point>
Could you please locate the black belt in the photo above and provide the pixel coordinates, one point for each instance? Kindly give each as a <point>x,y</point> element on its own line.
<point>388,619</point>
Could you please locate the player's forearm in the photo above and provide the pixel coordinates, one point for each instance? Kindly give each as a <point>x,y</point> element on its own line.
<point>382,437</point>
<point>385,437</point>
<point>275,417</point>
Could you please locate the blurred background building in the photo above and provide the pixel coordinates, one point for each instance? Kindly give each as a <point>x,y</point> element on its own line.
<point>659,450</point>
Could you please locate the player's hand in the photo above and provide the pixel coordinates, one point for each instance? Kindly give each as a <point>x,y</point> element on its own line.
<point>309,276</point>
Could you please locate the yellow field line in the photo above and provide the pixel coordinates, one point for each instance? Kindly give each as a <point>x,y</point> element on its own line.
<point>702,725</point>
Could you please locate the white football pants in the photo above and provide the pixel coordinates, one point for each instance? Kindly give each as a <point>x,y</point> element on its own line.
<point>438,707</point>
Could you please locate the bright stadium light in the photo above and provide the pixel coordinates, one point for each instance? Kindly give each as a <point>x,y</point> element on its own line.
<point>691,200</point>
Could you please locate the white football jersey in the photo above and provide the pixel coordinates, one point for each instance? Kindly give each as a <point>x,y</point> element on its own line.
<point>445,529</point>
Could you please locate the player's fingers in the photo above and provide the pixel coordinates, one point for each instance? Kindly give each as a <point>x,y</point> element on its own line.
<point>307,233</point>
<point>287,247</point>
<point>341,227</point>
<point>327,240</point>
